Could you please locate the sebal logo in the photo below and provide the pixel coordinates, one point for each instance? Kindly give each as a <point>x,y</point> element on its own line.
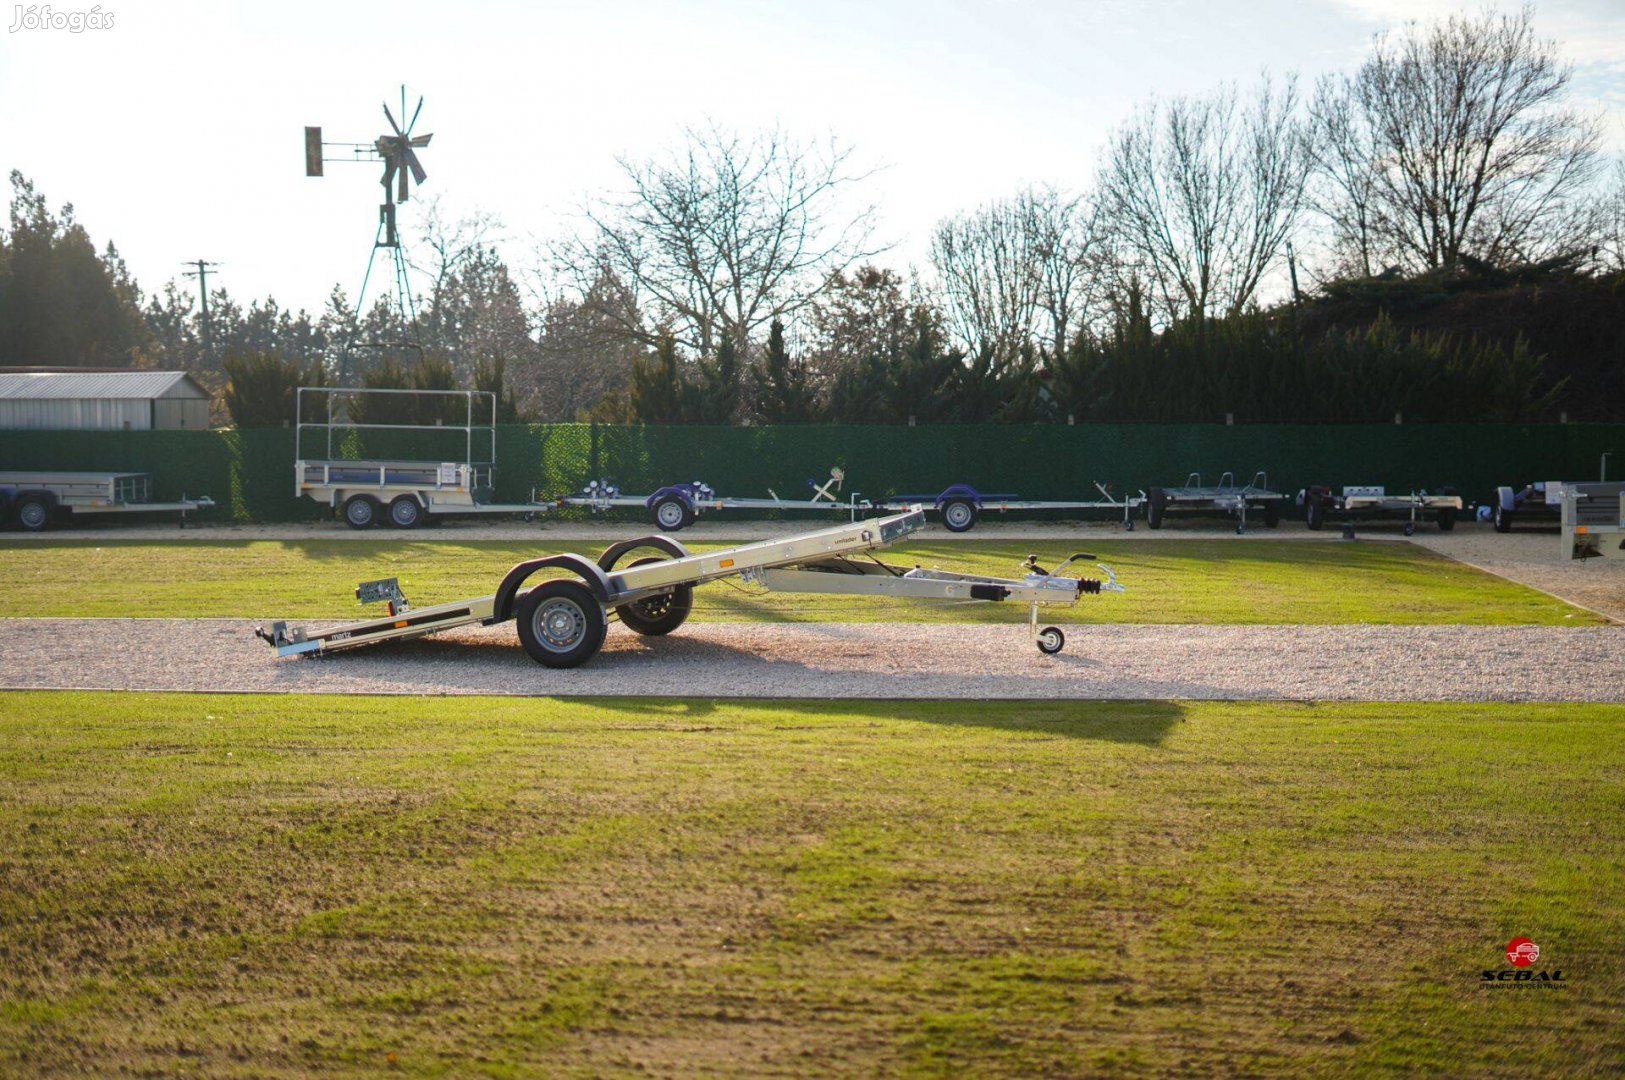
<point>1522,954</point>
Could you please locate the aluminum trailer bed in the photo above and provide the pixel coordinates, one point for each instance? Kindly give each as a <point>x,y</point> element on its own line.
<point>35,499</point>
<point>1593,520</point>
<point>562,621</point>
<point>1372,501</point>
<point>1542,501</point>
<point>1226,496</point>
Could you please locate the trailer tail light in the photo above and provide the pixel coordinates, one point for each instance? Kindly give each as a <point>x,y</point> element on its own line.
<point>725,563</point>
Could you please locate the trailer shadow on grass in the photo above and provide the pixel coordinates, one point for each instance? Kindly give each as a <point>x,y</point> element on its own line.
<point>1144,722</point>
<point>692,677</point>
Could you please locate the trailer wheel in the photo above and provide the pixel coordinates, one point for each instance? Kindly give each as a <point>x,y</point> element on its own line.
<point>671,514</point>
<point>1503,519</point>
<point>1410,528</point>
<point>360,511</point>
<point>561,623</point>
<point>657,615</point>
<point>1051,640</point>
<point>1272,515</point>
<point>33,513</point>
<point>1447,519</point>
<point>1155,504</point>
<point>405,512</point>
<point>959,515</point>
<point>1314,512</point>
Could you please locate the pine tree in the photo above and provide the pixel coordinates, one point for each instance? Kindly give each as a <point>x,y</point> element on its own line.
<point>657,384</point>
<point>785,394</point>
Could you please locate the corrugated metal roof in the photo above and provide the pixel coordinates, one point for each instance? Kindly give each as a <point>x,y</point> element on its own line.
<point>98,384</point>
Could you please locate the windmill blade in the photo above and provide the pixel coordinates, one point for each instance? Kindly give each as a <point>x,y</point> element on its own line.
<point>421,140</point>
<point>391,118</point>
<point>414,113</point>
<point>400,195</point>
<point>412,163</point>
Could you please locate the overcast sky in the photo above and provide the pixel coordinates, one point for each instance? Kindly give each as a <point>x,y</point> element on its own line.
<point>177,133</point>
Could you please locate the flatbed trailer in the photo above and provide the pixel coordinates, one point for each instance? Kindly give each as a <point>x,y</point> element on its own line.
<point>563,620</point>
<point>676,506</point>
<point>1227,497</point>
<point>403,493</point>
<point>1541,502</point>
<point>34,499</point>
<point>1371,501</point>
<point>960,506</point>
<point>1593,520</point>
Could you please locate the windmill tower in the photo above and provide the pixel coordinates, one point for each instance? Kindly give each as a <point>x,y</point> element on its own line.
<point>397,150</point>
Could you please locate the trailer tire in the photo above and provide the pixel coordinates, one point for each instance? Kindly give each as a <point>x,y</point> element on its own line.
<point>33,513</point>
<point>1314,513</point>
<point>1272,515</point>
<point>959,515</point>
<point>361,511</point>
<point>1156,504</point>
<point>658,615</point>
<point>1503,519</point>
<point>405,512</point>
<point>1447,519</point>
<point>561,624</point>
<point>1051,640</point>
<point>671,514</point>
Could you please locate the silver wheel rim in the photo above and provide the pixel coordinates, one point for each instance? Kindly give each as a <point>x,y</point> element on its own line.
<point>404,513</point>
<point>958,515</point>
<point>1049,639</point>
<point>33,515</point>
<point>559,625</point>
<point>358,512</point>
<point>669,514</point>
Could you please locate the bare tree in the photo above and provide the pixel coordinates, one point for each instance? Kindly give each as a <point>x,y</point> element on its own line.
<point>1611,248</point>
<point>724,237</point>
<point>1202,194</point>
<point>1454,136</point>
<point>1014,270</point>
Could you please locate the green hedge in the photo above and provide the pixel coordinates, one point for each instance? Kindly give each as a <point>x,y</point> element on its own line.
<point>250,472</point>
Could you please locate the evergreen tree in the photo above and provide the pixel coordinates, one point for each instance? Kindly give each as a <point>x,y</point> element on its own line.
<point>785,394</point>
<point>714,397</point>
<point>657,384</point>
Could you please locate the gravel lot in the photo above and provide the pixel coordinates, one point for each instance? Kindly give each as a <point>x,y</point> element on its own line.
<point>1375,663</point>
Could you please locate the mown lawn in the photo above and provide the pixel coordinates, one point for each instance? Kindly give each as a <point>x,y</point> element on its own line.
<point>281,886</point>
<point>1174,581</point>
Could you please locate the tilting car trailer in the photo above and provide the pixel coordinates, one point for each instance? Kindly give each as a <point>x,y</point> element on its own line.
<point>403,493</point>
<point>1593,520</point>
<point>562,621</point>
<point>1195,497</point>
<point>675,506</point>
<point>35,499</point>
<point>1371,502</point>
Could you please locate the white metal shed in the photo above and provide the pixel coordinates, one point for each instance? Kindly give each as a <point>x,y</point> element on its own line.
<point>102,400</point>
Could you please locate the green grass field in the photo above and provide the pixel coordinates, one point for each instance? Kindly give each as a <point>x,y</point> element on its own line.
<point>1173,581</point>
<point>280,886</point>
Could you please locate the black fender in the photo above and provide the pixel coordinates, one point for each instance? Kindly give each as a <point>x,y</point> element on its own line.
<point>613,553</point>
<point>579,565</point>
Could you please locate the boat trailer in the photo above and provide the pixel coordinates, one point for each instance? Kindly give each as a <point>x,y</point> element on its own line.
<point>562,621</point>
<point>1227,496</point>
<point>960,506</point>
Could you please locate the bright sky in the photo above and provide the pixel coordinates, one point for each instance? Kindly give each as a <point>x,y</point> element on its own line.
<point>177,133</point>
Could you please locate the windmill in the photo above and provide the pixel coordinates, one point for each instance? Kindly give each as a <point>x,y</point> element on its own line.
<point>397,149</point>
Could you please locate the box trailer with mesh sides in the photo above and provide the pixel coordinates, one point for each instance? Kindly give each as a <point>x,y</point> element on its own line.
<point>1593,520</point>
<point>399,491</point>
<point>1370,501</point>
<point>562,621</point>
<point>33,500</point>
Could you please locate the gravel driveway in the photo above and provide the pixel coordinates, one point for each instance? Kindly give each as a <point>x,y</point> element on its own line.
<point>1371,663</point>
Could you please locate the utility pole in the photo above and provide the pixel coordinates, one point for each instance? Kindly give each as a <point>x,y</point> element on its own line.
<point>202,275</point>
